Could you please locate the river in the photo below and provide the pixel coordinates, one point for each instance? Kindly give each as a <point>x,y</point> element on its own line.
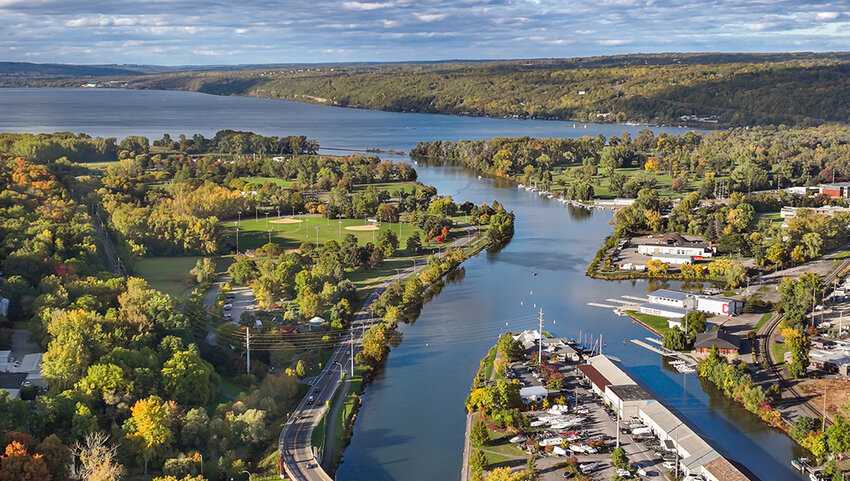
<point>411,424</point>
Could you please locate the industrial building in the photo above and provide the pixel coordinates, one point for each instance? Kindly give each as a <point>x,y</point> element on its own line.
<point>679,300</point>
<point>675,244</point>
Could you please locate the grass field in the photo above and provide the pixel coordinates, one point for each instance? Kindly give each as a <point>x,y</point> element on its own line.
<point>391,187</point>
<point>656,322</point>
<point>167,274</point>
<point>255,233</point>
<point>762,320</point>
<point>101,165</point>
<point>779,350</point>
<point>602,187</point>
<point>263,180</point>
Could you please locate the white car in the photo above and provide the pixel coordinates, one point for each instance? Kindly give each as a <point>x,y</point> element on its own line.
<point>623,473</point>
<point>668,465</point>
<point>227,306</point>
<point>587,467</point>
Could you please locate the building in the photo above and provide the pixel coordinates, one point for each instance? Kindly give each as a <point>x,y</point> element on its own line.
<point>533,394</point>
<point>673,259</point>
<point>558,349</point>
<point>627,399</point>
<point>828,210</point>
<point>668,427</point>
<point>662,310</point>
<point>802,190</point>
<point>836,189</point>
<point>682,301</point>
<point>726,343</point>
<point>12,382</point>
<point>676,244</point>
<point>722,469</point>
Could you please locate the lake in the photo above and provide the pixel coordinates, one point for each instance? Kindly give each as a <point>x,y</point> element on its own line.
<point>412,421</point>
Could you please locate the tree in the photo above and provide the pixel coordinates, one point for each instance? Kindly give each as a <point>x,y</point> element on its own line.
<point>188,379</point>
<point>413,244</point>
<point>97,459</point>
<point>531,466</point>
<point>387,242</point>
<point>799,344</point>
<point>507,474</point>
<point>300,369</point>
<point>479,435</point>
<point>619,458</point>
<point>477,461</point>
<point>838,435</point>
<point>204,270</point>
<point>149,428</point>
<point>17,465</point>
<point>57,457</point>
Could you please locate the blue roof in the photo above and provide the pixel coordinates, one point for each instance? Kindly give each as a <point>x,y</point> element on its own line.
<point>668,294</point>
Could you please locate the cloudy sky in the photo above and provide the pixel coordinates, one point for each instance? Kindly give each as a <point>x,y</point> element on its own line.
<point>180,32</point>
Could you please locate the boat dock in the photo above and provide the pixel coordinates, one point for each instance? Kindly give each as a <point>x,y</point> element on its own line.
<point>620,301</point>
<point>636,298</point>
<point>598,304</point>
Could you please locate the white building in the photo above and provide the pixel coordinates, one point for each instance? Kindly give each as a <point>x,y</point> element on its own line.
<point>533,394</point>
<point>627,399</point>
<point>723,306</point>
<point>674,259</point>
<point>676,244</point>
<point>662,311</point>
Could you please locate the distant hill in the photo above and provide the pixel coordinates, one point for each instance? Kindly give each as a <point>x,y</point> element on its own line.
<point>703,89</point>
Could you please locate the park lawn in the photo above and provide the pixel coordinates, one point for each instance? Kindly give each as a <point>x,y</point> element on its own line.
<point>273,180</point>
<point>317,437</point>
<point>602,186</point>
<point>496,459</point>
<point>762,320</point>
<point>391,187</point>
<point>656,322</point>
<point>167,274</point>
<point>255,233</point>
<point>500,442</point>
<point>488,363</point>
<point>841,255</point>
<point>228,390</point>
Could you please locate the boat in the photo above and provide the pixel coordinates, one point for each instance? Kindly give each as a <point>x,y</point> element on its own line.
<point>798,464</point>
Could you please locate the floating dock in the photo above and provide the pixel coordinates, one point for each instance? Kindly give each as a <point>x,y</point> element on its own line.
<point>598,304</point>
<point>636,298</point>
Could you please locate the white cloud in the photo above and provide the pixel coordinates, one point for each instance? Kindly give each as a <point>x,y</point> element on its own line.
<point>827,15</point>
<point>240,31</point>
<point>365,5</point>
<point>613,42</point>
<point>431,17</point>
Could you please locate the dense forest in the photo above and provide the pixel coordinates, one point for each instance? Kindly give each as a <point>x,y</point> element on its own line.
<point>697,89</point>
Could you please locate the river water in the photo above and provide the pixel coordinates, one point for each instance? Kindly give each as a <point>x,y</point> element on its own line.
<point>411,424</point>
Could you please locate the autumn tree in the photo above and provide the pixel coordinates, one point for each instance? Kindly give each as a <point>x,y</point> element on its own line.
<point>17,465</point>
<point>149,428</point>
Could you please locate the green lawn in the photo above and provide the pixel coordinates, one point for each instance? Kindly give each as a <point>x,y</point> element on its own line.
<point>500,442</point>
<point>167,274</point>
<point>779,350</point>
<point>101,165</point>
<point>841,255</point>
<point>263,180</point>
<point>602,187</point>
<point>488,362</point>
<point>391,187</point>
<point>255,233</point>
<point>656,322</point>
<point>343,419</point>
<point>228,390</point>
<point>367,279</point>
<point>762,320</point>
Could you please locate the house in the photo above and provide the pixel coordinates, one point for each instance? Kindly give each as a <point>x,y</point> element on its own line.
<point>558,349</point>
<point>670,298</point>
<point>676,244</point>
<point>11,382</point>
<point>726,343</point>
<point>533,394</point>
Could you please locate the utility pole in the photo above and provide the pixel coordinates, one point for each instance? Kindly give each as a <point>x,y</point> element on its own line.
<point>248,349</point>
<point>540,344</point>
<point>237,240</point>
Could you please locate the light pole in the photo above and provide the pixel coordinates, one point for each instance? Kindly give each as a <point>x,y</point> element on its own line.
<point>340,226</point>
<point>398,272</point>
<point>317,237</point>
<point>237,240</point>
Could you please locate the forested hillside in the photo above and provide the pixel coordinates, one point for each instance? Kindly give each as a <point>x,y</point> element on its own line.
<point>693,89</point>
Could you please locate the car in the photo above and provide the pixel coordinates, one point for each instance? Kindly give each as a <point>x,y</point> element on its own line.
<point>668,465</point>
<point>624,473</point>
<point>310,400</point>
<point>227,306</point>
<point>317,389</point>
<point>588,467</point>
<point>569,474</point>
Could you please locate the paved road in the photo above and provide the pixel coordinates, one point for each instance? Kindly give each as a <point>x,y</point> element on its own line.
<point>299,461</point>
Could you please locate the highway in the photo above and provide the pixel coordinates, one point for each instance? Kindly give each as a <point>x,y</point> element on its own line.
<point>295,443</point>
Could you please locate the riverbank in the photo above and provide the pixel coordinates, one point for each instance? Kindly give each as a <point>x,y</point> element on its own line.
<point>343,411</point>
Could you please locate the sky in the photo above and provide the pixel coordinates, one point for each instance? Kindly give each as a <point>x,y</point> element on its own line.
<point>190,32</point>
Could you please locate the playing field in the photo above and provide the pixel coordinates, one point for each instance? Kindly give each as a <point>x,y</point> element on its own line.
<point>291,232</point>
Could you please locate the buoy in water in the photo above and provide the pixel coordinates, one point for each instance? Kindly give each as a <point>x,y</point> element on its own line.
<point>427,345</point>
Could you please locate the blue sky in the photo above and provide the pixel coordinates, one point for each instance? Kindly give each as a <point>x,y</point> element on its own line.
<point>184,32</point>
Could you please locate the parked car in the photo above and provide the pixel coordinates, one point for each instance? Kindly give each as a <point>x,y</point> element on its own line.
<point>227,306</point>
<point>588,467</point>
<point>624,473</point>
<point>669,465</point>
<point>569,474</point>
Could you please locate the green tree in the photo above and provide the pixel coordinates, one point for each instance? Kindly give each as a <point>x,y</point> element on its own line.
<point>204,270</point>
<point>188,379</point>
<point>838,435</point>
<point>300,369</point>
<point>619,458</point>
<point>479,435</point>
<point>477,461</point>
<point>56,456</point>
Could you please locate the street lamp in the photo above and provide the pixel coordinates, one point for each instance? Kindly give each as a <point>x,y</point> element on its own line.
<point>317,237</point>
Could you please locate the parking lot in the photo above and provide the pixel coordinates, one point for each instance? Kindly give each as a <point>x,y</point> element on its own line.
<point>599,424</point>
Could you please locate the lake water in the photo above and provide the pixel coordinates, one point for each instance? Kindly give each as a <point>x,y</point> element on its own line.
<point>411,424</point>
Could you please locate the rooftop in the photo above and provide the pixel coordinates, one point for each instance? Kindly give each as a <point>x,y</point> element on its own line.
<point>673,239</point>
<point>717,338</point>
<point>662,307</point>
<point>610,369</point>
<point>722,468</point>
<point>630,392</point>
<point>689,441</point>
<point>595,376</point>
<point>12,380</point>
<point>668,294</point>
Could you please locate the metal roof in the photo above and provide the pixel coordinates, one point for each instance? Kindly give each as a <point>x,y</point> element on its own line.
<point>610,369</point>
<point>669,294</point>
<point>717,338</point>
<point>630,392</point>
